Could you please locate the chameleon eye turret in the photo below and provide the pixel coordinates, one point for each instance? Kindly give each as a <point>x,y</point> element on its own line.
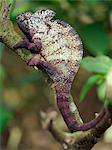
<point>28,15</point>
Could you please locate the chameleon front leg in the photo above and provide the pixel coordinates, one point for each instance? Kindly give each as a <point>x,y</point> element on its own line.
<point>33,47</point>
<point>36,60</point>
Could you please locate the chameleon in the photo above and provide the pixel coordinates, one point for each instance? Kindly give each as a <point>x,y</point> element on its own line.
<point>57,49</point>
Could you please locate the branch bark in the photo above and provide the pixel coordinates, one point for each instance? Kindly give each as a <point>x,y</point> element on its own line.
<point>8,35</point>
<point>71,141</point>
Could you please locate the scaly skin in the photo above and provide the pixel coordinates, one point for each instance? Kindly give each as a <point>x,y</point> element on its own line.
<point>58,50</point>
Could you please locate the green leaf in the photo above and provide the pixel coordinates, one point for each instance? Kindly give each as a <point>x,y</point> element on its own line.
<point>87,86</point>
<point>95,38</point>
<point>101,91</point>
<point>100,64</point>
<point>5,116</point>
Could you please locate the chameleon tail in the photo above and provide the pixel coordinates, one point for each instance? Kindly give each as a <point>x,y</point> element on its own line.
<point>63,93</point>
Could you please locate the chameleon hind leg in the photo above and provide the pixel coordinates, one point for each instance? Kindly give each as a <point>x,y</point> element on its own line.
<point>38,61</point>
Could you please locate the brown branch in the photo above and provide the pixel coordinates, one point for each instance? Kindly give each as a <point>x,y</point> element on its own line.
<point>73,141</point>
<point>8,35</point>
<point>78,140</point>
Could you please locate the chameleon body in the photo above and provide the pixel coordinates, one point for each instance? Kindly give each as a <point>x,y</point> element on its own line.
<point>57,48</point>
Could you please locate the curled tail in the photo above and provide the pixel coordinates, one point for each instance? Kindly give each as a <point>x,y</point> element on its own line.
<point>63,93</point>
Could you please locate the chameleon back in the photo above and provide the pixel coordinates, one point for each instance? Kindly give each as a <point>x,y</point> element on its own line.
<point>63,49</point>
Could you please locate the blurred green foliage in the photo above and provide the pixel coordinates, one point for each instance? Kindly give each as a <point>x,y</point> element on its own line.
<point>89,83</point>
<point>99,65</point>
<point>95,38</point>
<point>32,77</point>
<point>5,117</point>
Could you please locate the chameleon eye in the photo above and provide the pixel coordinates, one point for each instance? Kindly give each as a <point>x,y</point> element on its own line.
<point>28,14</point>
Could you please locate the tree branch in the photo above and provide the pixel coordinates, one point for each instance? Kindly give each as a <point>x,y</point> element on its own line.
<point>78,140</point>
<point>8,35</point>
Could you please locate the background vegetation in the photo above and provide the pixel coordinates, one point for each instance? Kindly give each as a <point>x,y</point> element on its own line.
<point>24,92</point>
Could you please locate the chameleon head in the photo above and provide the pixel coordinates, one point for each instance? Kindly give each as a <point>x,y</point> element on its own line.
<point>22,21</point>
<point>28,20</point>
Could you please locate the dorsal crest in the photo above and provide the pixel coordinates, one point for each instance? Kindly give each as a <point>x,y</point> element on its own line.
<point>44,14</point>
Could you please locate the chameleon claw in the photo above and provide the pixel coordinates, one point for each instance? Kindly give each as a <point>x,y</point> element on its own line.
<point>35,67</point>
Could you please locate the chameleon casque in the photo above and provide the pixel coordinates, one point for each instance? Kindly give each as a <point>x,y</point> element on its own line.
<point>57,49</point>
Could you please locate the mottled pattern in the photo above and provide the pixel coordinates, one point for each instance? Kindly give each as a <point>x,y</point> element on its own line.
<point>58,50</point>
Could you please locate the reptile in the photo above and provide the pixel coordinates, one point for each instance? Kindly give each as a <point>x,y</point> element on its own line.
<point>57,49</point>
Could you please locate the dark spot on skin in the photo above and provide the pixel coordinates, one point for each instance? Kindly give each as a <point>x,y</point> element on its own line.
<point>41,32</point>
<point>48,25</point>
